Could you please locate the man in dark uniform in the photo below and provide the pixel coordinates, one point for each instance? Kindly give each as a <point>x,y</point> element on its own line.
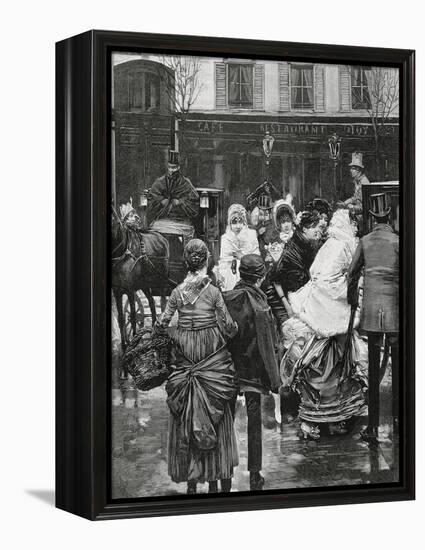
<point>378,254</point>
<point>254,353</point>
<point>173,202</point>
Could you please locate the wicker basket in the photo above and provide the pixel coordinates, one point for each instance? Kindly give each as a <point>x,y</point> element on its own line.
<point>147,359</point>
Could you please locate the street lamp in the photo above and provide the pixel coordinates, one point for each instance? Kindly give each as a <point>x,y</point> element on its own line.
<point>204,200</point>
<point>204,203</point>
<point>334,142</point>
<point>143,198</point>
<point>268,142</point>
<point>268,145</point>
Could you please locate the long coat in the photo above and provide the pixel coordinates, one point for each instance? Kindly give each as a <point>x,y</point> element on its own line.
<point>254,346</point>
<point>292,271</point>
<point>293,268</point>
<point>177,187</point>
<point>378,253</point>
<point>356,200</point>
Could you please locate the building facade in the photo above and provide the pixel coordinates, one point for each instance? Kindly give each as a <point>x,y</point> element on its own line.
<point>300,104</point>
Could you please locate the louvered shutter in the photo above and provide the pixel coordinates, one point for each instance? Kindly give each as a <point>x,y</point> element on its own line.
<point>258,88</point>
<point>284,90</point>
<point>220,86</point>
<point>319,88</point>
<point>344,88</point>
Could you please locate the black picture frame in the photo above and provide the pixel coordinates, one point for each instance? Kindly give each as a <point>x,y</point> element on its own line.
<point>82,211</point>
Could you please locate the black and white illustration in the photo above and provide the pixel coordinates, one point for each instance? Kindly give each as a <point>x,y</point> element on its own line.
<point>255,275</point>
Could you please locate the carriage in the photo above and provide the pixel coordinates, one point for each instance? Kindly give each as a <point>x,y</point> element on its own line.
<point>167,268</point>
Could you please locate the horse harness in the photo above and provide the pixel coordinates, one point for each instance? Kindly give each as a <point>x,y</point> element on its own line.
<point>143,256</point>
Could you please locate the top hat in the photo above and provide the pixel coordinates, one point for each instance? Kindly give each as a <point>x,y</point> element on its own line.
<point>357,160</point>
<point>380,205</point>
<point>173,157</point>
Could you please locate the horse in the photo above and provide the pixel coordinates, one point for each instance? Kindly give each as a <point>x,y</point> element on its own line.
<point>140,261</point>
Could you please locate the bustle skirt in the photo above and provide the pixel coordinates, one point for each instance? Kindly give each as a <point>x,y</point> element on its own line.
<point>202,443</point>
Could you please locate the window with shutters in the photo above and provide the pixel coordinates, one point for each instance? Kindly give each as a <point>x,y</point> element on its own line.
<point>360,96</point>
<point>240,88</point>
<point>302,87</point>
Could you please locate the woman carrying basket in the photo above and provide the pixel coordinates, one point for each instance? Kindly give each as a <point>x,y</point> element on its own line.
<point>202,443</point>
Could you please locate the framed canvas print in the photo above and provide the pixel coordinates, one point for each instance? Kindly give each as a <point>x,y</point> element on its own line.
<point>235,274</point>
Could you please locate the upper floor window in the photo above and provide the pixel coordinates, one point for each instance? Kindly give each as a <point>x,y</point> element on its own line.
<point>240,85</point>
<point>302,90</point>
<point>360,96</point>
<point>143,91</point>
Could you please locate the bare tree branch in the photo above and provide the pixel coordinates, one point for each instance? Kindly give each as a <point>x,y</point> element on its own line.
<point>181,78</point>
<point>383,88</point>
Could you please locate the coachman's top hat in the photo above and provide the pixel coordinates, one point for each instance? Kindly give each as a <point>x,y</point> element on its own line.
<point>173,157</point>
<point>357,160</point>
<point>380,205</point>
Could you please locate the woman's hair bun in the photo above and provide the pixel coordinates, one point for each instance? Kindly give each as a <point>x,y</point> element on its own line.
<point>195,254</point>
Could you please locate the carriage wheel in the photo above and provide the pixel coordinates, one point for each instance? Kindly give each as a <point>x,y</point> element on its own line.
<point>140,315</point>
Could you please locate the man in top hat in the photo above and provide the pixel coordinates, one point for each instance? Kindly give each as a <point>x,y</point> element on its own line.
<point>254,353</point>
<point>357,172</point>
<point>173,202</point>
<point>378,254</point>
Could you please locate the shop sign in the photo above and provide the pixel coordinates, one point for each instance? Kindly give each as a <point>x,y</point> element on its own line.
<point>308,129</point>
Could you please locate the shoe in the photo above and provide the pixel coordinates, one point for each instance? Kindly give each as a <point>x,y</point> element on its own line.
<point>256,481</point>
<point>191,487</point>
<point>310,431</point>
<point>226,485</point>
<point>212,487</point>
<point>370,436</point>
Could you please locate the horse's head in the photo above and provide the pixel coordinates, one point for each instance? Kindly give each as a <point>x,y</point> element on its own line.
<point>133,221</point>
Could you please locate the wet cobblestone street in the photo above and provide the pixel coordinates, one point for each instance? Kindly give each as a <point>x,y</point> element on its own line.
<point>139,451</point>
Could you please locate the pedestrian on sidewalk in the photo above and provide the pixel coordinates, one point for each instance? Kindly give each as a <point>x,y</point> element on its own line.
<point>378,254</point>
<point>201,389</point>
<point>254,353</point>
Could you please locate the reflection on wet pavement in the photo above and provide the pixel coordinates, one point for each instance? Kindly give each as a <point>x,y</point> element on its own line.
<point>139,451</point>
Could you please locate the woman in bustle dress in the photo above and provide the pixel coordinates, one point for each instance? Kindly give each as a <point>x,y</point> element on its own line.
<point>202,443</point>
<point>331,393</point>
